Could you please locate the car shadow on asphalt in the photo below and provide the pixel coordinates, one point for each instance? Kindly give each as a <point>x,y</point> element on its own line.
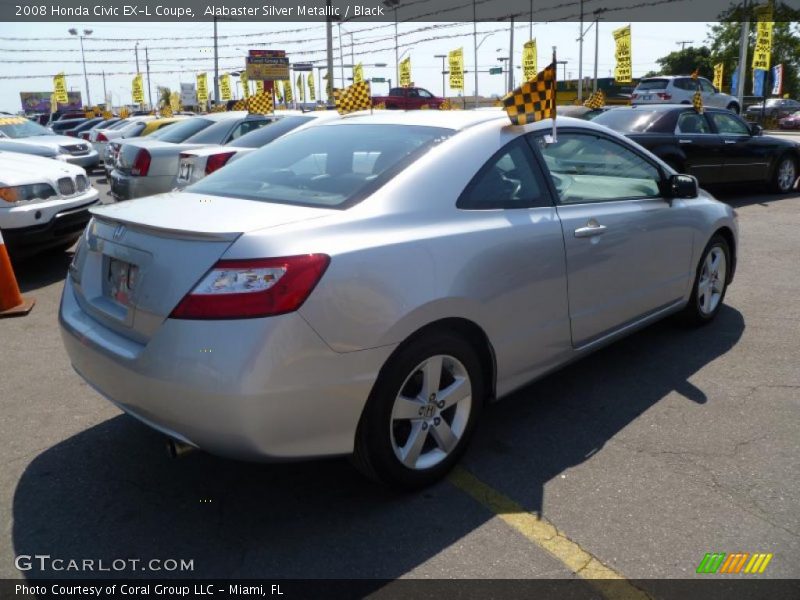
<point>748,194</point>
<point>110,492</point>
<point>41,270</point>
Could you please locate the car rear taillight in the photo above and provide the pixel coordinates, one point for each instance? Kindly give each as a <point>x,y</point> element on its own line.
<point>85,136</point>
<point>101,137</point>
<point>72,134</point>
<point>141,164</point>
<point>245,289</point>
<point>664,95</point>
<point>217,161</point>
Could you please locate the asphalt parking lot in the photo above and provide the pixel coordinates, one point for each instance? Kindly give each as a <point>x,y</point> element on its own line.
<point>645,456</point>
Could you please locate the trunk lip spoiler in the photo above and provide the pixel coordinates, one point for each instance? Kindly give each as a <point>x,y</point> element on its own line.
<point>167,232</point>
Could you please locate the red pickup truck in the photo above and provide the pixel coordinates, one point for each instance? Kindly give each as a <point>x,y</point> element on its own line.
<point>408,98</point>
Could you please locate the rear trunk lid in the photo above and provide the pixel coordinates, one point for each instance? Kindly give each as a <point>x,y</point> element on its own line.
<point>164,155</point>
<point>139,259</point>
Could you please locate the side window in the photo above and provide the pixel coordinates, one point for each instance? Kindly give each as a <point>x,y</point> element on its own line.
<point>690,122</point>
<point>425,94</point>
<point>246,127</point>
<point>683,84</point>
<point>507,180</point>
<point>728,124</point>
<point>589,168</point>
<point>707,87</point>
<point>413,93</point>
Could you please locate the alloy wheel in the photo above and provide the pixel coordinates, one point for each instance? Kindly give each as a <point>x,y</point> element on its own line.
<point>712,281</point>
<point>786,174</point>
<point>431,412</point>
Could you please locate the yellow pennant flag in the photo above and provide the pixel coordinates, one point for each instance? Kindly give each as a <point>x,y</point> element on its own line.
<point>623,72</point>
<point>596,100</point>
<point>124,113</point>
<point>529,59</point>
<point>405,72</point>
<point>175,101</point>
<point>358,73</point>
<point>245,84</point>
<point>301,88</point>
<point>287,91</point>
<point>259,86</point>
<point>718,71</point>
<point>202,88</point>
<point>137,89</point>
<point>353,98</point>
<point>763,49</point>
<point>107,114</point>
<point>534,100</point>
<point>455,59</point>
<point>60,89</point>
<point>312,92</point>
<point>225,87</point>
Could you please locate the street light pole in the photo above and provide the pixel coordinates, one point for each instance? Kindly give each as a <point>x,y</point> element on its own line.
<point>341,56</point>
<point>329,57</point>
<point>596,47</point>
<point>511,57</point>
<point>216,66</point>
<point>443,57</point>
<point>475,44</point>
<point>86,32</point>
<point>149,89</point>
<point>580,60</point>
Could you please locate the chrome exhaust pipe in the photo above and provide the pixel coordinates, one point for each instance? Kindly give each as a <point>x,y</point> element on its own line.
<point>177,449</point>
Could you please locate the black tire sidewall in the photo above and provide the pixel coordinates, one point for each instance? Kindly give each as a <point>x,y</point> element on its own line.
<point>373,430</point>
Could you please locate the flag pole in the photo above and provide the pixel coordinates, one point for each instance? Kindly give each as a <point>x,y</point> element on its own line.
<point>555,89</point>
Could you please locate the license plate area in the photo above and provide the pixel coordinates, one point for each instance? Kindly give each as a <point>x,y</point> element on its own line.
<point>120,282</point>
<point>185,171</point>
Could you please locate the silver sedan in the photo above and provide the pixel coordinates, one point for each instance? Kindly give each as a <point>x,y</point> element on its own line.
<point>367,285</point>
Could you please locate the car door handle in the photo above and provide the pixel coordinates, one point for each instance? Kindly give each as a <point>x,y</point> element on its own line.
<point>684,141</point>
<point>592,229</point>
<point>730,141</point>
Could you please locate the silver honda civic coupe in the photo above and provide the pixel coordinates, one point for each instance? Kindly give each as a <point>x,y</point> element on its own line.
<point>365,286</point>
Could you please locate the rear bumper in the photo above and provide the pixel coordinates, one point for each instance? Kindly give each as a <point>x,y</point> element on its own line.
<point>65,226</point>
<point>128,187</point>
<point>256,389</point>
<point>86,161</point>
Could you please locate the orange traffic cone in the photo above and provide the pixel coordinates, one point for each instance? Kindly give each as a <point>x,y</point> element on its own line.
<point>12,304</point>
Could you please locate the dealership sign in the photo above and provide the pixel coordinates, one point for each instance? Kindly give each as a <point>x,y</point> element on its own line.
<point>39,102</point>
<point>267,65</point>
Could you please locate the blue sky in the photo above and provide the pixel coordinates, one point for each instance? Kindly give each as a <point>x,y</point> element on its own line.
<point>374,42</point>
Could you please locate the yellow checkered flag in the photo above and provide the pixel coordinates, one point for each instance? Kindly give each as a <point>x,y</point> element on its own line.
<point>697,101</point>
<point>240,104</point>
<point>596,100</point>
<point>261,103</point>
<point>534,100</point>
<point>218,108</point>
<point>353,98</point>
<point>124,113</point>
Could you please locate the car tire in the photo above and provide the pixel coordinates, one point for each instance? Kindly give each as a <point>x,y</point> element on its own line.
<point>785,175</point>
<point>710,282</point>
<point>405,446</point>
<point>733,107</point>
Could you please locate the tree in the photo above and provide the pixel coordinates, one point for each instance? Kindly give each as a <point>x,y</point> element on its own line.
<point>164,94</point>
<point>723,39</point>
<point>684,62</point>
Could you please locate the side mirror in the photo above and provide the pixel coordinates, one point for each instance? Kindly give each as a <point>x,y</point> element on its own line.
<point>683,186</point>
<point>756,129</point>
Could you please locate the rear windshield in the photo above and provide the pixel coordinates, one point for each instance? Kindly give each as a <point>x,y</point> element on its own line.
<point>179,131</point>
<point>120,124</point>
<point>652,84</point>
<point>629,120</point>
<point>331,166</point>
<point>263,136</point>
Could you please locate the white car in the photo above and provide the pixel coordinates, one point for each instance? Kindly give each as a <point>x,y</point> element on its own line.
<point>680,89</point>
<point>18,134</point>
<point>44,203</point>
<point>196,164</point>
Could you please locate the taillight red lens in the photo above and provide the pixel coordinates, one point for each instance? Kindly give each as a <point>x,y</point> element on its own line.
<point>85,136</point>
<point>216,161</point>
<point>101,137</point>
<point>141,164</point>
<point>246,289</point>
<point>664,96</point>
<point>72,134</point>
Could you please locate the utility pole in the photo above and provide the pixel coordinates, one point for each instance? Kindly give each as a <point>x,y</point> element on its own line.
<point>136,50</point>
<point>580,60</point>
<point>216,65</point>
<point>352,58</point>
<point>341,56</point>
<point>443,57</point>
<point>511,57</point>
<point>683,43</point>
<point>743,40</point>
<point>149,91</point>
<point>475,45</point>
<point>86,32</point>
<point>530,26</point>
<point>329,56</point>
<point>596,47</point>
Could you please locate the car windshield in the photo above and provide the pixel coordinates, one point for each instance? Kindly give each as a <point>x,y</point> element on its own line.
<point>180,131</point>
<point>625,119</point>
<point>331,166</point>
<point>17,127</point>
<point>213,134</point>
<point>652,84</point>
<point>268,133</point>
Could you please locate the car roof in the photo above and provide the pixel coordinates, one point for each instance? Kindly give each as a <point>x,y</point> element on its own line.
<point>451,119</point>
<point>223,116</point>
<point>665,107</point>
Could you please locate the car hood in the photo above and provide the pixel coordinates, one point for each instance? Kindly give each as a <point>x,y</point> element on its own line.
<point>51,141</point>
<point>189,213</point>
<point>19,169</point>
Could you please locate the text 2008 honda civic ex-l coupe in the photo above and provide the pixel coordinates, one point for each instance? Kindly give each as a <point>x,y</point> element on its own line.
<point>365,286</point>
